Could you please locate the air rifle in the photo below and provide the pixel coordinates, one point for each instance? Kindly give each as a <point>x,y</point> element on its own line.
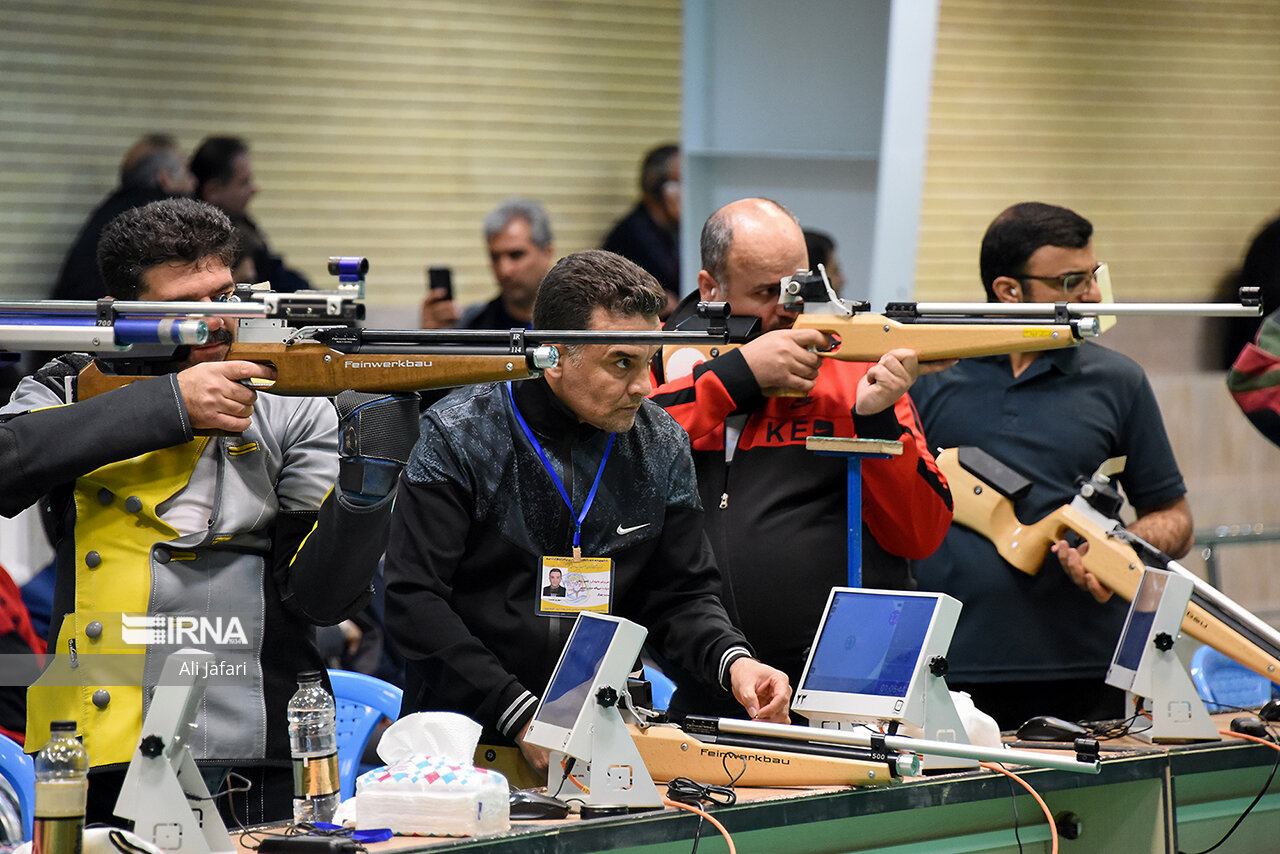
<point>984,490</point>
<point>310,338</point>
<point>941,330</point>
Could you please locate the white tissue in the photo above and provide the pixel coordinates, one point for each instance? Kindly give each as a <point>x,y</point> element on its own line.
<point>430,787</point>
<point>446,736</point>
<point>345,814</point>
<point>423,796</point>
<point>978,725</point>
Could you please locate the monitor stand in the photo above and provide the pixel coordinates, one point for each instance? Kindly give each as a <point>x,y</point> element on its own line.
<point>163,792</point>
<point>1159,682</point>
<point>941,723</point>
<point>1177,712</point>
<point>615,775</point>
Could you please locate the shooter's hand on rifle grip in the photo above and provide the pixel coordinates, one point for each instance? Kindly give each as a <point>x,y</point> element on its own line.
<point>786,358</point>
<point>376,434</point>
<point>1072,560</point>
<point>216,398</point>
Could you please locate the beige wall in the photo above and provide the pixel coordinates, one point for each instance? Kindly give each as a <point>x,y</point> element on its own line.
<point>1159,121</point>
<point>385,128</point>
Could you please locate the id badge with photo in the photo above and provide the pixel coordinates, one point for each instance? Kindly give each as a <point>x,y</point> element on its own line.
<point>568,585</point>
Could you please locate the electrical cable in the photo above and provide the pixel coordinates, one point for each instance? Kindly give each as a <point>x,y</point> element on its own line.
<point>1258,798</point>
<point>1107,730</point>
<point>1017,820</point>
<point>566,766</point>
<point>1053,826</point>
<point>123,844</point>
<point>688,791</point>
<point>683,793</point>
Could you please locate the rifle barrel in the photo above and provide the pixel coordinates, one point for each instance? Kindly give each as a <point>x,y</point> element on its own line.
<point>89,308</point>
<point>530,337</point>
<point>1089,309</point>
<point>863,737</point>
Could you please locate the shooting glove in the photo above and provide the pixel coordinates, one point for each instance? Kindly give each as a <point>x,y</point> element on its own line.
<point>376,433</point>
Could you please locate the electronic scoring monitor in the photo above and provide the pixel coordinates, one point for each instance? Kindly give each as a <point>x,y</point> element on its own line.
<point>870,657</point>
<point>600,652</point>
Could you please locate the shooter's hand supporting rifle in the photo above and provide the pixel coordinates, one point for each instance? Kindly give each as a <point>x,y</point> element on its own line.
<point>216,398</point>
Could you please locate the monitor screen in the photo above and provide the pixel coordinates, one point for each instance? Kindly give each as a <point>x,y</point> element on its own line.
<point>869,643</point>
<point>577,672</point>
<point>1142,614</point>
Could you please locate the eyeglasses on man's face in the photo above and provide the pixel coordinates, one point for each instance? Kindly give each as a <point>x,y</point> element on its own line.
<point>1072,284</point>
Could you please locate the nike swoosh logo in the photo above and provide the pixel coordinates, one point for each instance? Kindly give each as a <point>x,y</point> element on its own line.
<point>622,530</point>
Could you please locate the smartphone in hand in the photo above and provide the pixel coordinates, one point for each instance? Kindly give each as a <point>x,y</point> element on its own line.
<point>440,278</point>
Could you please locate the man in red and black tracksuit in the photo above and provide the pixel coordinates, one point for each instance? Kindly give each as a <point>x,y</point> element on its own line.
<point>775,512</point>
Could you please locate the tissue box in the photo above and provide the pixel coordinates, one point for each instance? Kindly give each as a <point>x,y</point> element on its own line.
<point>425,796</point>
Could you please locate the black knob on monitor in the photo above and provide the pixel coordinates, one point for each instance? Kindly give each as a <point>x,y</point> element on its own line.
<point>1163,641</point>
<point>151,746</point>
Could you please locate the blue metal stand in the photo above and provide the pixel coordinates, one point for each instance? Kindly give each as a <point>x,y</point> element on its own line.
<point>854,451</point>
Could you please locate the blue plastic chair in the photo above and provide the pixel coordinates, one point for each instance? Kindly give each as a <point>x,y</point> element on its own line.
<point>362,701</point>
<point>1222,683</point>
<point>662,687</point>
<point>20,770</point>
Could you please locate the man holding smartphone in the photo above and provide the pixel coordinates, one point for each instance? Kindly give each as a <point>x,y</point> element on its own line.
<point>521,252</point>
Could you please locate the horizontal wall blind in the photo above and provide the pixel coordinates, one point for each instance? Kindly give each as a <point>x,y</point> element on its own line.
<point>1159,120</point>
<point>385,128</point>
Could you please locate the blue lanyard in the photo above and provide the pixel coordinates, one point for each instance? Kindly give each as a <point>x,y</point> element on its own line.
<point>555,478</point>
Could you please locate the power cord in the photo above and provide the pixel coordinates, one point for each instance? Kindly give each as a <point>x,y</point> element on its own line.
<point>686,794</point>
<point>566,766</point>
<point>1109,730</point>
<point>1269,742</point>
<point>1053,827</point>
<point>688,791</point>
<point>1017,820</point>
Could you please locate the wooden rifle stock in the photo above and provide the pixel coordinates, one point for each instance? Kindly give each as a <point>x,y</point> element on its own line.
<point>310,368</point>
<point>980,507</point>
<point>669,752</point>
<point>865,337</point>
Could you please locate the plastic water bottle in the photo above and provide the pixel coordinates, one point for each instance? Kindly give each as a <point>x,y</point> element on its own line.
<point>313,742</point>
<point>62,786</point>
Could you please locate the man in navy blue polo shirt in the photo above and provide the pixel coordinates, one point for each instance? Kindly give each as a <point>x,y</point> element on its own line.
<point>1040,644</point>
